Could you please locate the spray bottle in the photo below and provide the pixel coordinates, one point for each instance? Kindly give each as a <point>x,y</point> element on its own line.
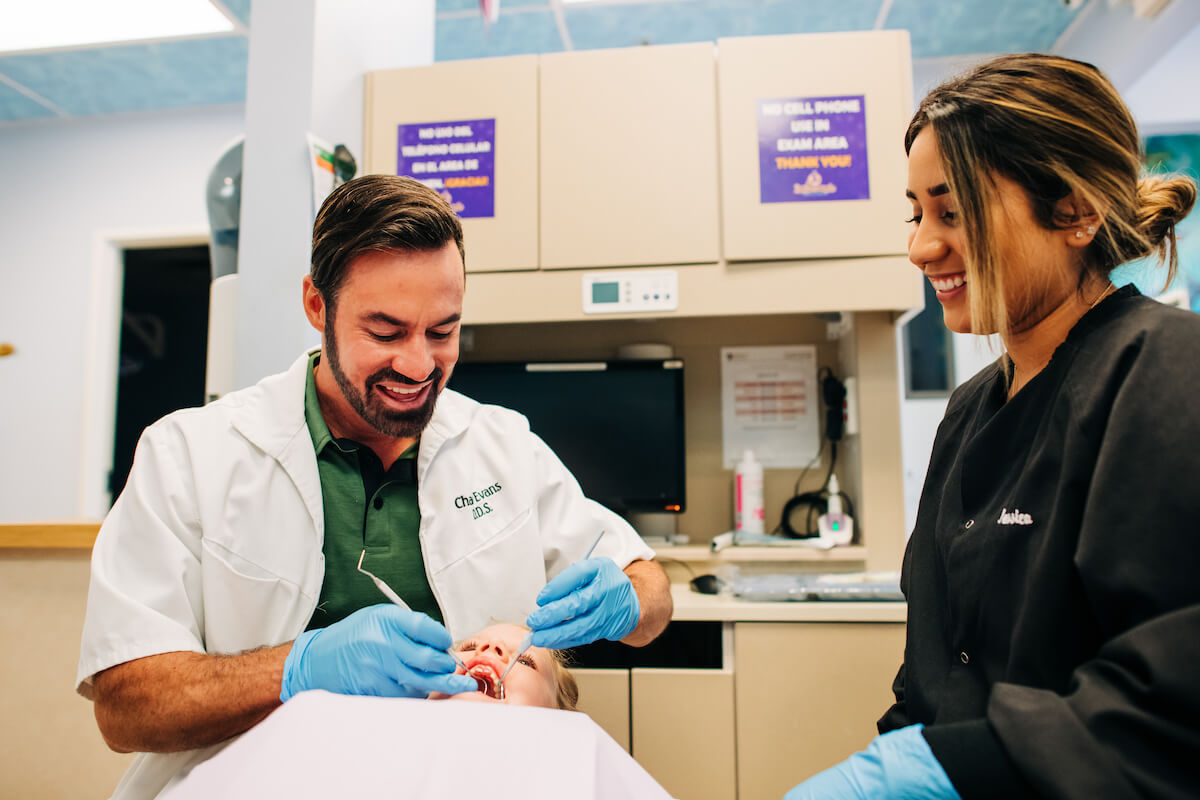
<point>748,495</point>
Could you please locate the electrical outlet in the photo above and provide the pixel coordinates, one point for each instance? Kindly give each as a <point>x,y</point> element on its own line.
<point>850,406</point>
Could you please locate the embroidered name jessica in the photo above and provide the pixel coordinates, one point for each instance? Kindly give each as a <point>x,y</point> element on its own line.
<point>1014,517</point>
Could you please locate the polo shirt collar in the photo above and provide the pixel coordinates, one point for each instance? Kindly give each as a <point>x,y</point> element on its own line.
<point>318,429</point>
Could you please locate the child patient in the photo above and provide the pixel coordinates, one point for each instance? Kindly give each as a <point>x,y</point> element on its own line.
<point>539,677</point>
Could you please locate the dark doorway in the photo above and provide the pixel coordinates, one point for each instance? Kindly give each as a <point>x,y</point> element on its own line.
<point>164,343</point>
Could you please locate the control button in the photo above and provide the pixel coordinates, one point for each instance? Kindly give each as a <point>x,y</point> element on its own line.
<point>968,524</point>
<point>963,657</point>
<point>378,503</point>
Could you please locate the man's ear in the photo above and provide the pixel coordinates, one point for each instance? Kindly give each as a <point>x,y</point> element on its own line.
<point>1079,218</point>
<point>314,304</point>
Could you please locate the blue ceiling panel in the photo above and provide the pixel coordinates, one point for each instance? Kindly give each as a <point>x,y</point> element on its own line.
<point>939,28</point>
<point>14,105</point>
<point>212,70</point>
<point>512,34</point>
<point>163,75</point>
<point>240,9</point>
<point>622,25</point>
<point>460,6</point>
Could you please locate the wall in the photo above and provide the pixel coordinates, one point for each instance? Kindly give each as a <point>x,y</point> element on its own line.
<point>867,464</point>
<point>66,185</point>
<point>49,743</point>
<point>1156,100</point>
<point>698,342</point>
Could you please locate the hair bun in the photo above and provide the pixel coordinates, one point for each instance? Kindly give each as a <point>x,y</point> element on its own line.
<point>1162,201</point>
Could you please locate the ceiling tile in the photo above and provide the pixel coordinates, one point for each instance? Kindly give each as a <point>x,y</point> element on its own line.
<point>163,75</point>
<point>939,28</point>
<point>460,6</point>
<point>213,71</point>
<point>512,34</point>
<point>14,106</point>
<point>623,25</point>
<point>240,9</point>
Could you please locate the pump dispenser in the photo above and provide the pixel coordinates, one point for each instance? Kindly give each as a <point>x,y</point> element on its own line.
<point>748,495</point>
<point>835,524</point>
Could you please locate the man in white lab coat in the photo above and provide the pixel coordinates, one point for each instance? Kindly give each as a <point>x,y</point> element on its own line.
<point>226,578</point>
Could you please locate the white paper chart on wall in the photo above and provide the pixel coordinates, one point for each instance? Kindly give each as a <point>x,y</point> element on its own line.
<point>769,404</point>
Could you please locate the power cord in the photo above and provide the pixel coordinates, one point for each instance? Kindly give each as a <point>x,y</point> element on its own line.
<point>815,503</point>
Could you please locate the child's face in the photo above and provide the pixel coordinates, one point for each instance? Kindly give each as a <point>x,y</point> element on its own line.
<point>531,682</point>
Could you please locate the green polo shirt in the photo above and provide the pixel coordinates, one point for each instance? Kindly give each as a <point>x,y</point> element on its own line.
<point>365,507</point>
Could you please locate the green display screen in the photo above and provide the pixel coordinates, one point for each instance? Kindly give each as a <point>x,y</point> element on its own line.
<point>609,292</point>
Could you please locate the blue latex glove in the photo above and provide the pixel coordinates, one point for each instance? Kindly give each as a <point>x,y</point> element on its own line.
<point>380,650</point>
<point>897,766</point>
<point>589,600</point>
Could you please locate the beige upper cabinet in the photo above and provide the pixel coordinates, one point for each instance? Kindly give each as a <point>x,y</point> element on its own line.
<point>629,157</point>
<point>451,109</point>
<point>812,144</point>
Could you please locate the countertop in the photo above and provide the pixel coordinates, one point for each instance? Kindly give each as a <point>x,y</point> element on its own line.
<point>693,606</point>
<point>67,534</point>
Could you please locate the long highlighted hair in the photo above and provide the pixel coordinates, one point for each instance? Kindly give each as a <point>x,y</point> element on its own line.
<point>1055,127</point>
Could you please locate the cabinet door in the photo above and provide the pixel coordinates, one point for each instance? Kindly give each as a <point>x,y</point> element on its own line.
<point>808,695</point>
<point>449,95</point>
<point>683,730</point>
<point>629,157</point>
<point>604,696</point>
<point>812,144</point>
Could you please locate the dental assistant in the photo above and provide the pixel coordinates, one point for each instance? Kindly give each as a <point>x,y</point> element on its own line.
<point>225,581</point>
<point>1053,600</point>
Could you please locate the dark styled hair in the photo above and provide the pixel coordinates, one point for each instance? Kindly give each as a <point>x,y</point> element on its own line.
<point>1055,127</point>
<point>377,213</point>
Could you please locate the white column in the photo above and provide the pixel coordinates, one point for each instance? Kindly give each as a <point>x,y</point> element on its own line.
<point>305,74</point>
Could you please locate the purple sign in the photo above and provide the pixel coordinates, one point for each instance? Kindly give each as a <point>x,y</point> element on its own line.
<point>813,148</point>
<point>458,159</point>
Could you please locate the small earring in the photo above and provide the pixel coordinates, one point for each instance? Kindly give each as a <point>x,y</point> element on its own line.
<point>1078,234</point>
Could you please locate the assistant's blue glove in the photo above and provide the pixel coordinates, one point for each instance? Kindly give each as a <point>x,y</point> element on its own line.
<point>589,600</point>
<point>897,766</point>
<point>380,650</point>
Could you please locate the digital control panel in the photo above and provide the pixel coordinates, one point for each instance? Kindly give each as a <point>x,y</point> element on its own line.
<point>631,291</point>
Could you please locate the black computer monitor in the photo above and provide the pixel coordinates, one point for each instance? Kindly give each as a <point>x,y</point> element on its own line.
<point>617,425</point>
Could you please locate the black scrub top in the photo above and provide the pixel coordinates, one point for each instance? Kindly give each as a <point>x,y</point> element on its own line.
<point>1053,576</point>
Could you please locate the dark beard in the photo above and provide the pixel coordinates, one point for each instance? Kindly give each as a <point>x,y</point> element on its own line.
<point>389,422</point>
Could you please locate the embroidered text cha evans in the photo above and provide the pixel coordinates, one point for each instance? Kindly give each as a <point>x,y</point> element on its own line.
<point>474,501</point>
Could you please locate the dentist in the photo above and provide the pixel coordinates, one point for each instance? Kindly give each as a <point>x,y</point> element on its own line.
<point>225,580</point>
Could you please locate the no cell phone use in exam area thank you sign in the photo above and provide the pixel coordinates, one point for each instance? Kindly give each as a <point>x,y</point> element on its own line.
<point>812,149</point>
<point>457,159</point>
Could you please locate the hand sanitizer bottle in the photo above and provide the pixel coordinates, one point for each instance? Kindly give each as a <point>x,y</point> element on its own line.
<point>748,495</point>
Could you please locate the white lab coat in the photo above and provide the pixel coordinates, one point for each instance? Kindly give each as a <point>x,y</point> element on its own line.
<point>214,546</point>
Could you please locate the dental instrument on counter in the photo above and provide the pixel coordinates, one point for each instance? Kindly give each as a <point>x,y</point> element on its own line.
<point>395,598</point>
<point>527,640</point>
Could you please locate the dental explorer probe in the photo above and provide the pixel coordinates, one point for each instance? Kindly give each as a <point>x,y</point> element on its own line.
<point>395,598</point>
<point>527,640</point>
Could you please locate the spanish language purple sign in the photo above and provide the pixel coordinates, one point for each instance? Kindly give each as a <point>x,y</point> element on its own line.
<point>458,159</point>
<point>812,148</point>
